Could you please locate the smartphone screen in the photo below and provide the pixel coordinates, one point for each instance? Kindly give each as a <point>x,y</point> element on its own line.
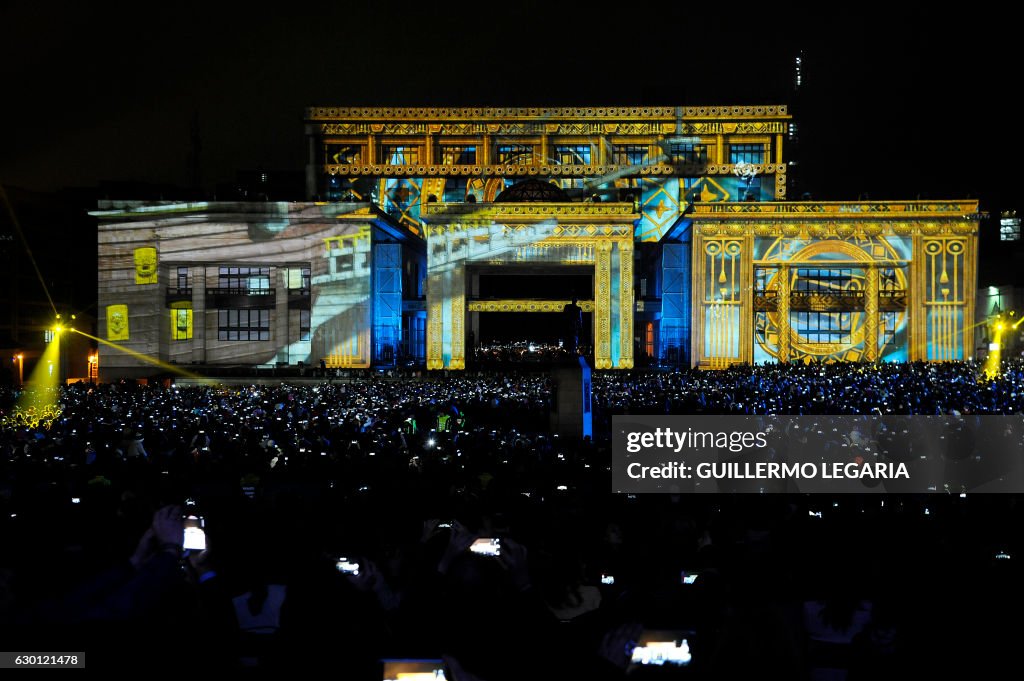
<point>663,648</point>
<point>486,547</point>
<point>346,566</point>
<point>414,670</point>
<point>195,535</point>
<point>687,577</point>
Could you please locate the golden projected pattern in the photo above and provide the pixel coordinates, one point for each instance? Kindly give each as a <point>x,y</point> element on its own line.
<point>539,233</point>
<point>894,213</point>
<point>145,265</point>
<point>928,292</point>
<point>458,360</point>
<point>720,301</point>
<point>572,114</point>
<point>625,304</point>
<point>784,336</point>
<point>350,352</point>
<point>855,307</point>
<point>181,322</point>
<point>435,322</point>
<point>871,314</point>
<point>603,301</point>
<point>117,322</point>
<point>360,241</point>
<point>513,305</point>
<point>547,170</point>
<point>453,215</point>
<point>944,298</point>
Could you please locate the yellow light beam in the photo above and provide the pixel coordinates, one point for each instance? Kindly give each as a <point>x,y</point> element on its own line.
<point>40,400</point>
<point>146,358</point>
<point>994,357</point>
<point>945,337</point>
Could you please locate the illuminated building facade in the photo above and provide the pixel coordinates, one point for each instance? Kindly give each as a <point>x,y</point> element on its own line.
<point>675,216</point>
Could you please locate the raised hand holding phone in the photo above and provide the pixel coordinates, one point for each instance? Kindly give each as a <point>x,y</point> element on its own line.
<point>459,541</point>
<point>169,528</point>
<point>194,534</point>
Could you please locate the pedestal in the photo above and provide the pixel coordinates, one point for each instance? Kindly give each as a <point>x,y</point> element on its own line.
<point>572,413</point>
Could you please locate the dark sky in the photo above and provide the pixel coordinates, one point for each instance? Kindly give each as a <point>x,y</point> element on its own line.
<point>893,105</point>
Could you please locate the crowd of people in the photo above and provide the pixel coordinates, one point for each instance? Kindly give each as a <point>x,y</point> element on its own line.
<point>340,519</point>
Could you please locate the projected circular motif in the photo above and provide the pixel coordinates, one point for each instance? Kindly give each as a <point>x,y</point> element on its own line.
<point>826,313</point>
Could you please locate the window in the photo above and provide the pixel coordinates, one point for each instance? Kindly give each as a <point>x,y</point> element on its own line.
<point>398,155</point>
<point>515,154</point>
<point>826,281</point>
<point>823,327</point>
<point>181,324</point>
<point>304,324</point>
<point>688,153</point>
<point>182,278</point>
<point>247,280</point>
<point>458,155</point>
<point>632,154</point>
<point>298,278</point>
<point>243,325</point>
<point>572,154</point>
<point>344,154</point>
<point>761,277</point>
<point>887,325</point>
<point>1009,227</point>
<point>746,153</point>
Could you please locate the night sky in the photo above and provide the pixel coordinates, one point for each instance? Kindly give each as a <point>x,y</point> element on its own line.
<point>894,106</point>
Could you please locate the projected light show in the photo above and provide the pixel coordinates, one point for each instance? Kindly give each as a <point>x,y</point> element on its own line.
<point>492,343</point>
<point>677,217</point>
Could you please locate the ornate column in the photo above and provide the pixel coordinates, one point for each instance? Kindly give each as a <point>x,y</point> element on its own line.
<point>871,314</point>
<point>458,293</point>
<point>782,309</point>
<point>485,151</point>
<point>626,304</point>
<point>602,305</point>
<point>435,326</point>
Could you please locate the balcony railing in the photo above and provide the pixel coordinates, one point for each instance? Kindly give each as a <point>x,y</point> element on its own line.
<point>299,299</point>
<point>178,294</point>
<point>820,301</point>
<point>230,297</point>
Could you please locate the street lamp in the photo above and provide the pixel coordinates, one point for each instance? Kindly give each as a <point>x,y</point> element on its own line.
<point>20,359</point>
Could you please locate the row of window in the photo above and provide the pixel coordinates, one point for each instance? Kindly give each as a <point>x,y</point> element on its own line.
<point>825,280</point>
<point>834,327</point>
<point>563,154</point>
<point>250,279</point>
<point>236,325</point>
